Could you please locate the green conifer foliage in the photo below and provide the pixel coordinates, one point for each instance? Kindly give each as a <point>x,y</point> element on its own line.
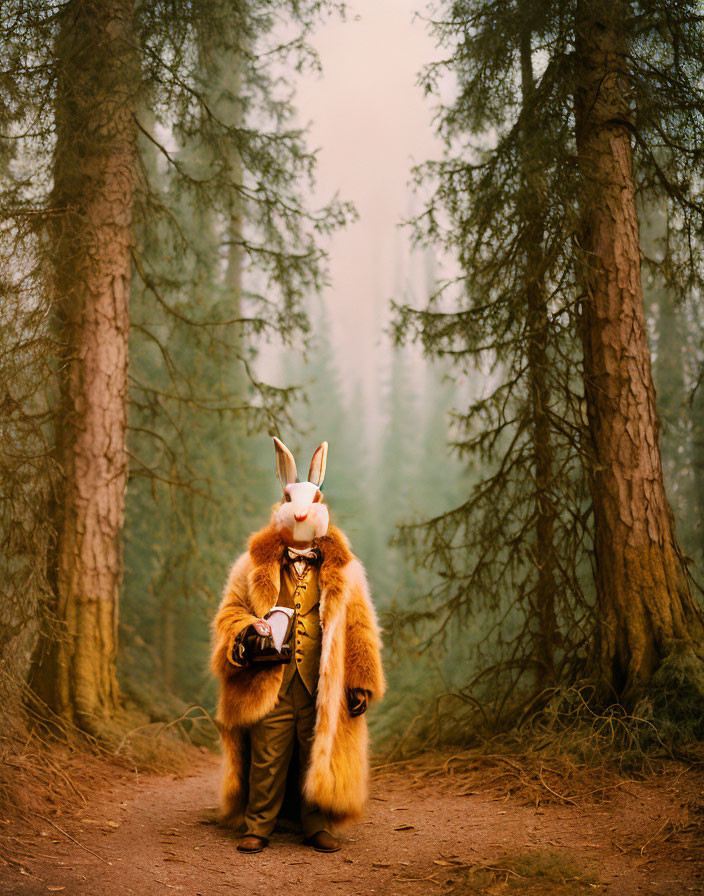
<point>519,200</point>
<point>224,247</point>
<point>229,260</point>
<point>510,552</point>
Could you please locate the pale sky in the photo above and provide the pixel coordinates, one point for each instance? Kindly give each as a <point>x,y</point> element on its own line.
<point>371,123</point>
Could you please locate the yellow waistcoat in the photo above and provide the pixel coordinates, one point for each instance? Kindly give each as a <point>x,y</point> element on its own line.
<point>303,596</point>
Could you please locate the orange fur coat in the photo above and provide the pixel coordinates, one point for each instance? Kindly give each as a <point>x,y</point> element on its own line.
<point>337,776</point>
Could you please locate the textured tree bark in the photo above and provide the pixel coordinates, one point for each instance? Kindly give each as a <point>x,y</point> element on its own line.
<point>697,417</point>
<point>646,612</point>
<point>90,233</point>
<point>532,225</point>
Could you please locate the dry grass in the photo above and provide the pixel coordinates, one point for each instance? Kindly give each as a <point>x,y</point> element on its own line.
<point>49,768</point>
<point>534,873</point>
<point>562,750</point>
<point>534,778</point>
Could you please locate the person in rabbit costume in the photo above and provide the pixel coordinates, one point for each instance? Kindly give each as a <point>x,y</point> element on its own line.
<point>317,700</point>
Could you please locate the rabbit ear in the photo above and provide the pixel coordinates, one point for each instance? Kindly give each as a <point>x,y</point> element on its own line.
<point>316,474</point>
<point>285,464</point>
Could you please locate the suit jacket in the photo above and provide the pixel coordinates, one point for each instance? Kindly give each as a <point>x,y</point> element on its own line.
<point>337,776</point>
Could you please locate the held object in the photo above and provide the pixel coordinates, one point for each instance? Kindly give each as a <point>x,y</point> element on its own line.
<point>273,649</point>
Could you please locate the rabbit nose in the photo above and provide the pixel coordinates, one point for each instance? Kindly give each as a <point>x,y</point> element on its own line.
<point>300,517</point>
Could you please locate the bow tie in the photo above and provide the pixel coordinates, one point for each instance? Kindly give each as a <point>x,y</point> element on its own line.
<point>307,557</point>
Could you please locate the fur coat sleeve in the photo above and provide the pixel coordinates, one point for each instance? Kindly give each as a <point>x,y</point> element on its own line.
<point>337,776</point>
<point>234,615</point>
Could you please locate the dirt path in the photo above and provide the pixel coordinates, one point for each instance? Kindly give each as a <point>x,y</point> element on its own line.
<point>424,834</point>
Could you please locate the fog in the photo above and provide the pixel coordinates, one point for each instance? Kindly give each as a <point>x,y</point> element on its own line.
<point>370,123</point>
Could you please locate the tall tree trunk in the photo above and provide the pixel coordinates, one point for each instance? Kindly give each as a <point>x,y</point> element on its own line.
<point>91,234</point>
<point>645,606</point>
<point>697,421</point>
<point>532,218</point>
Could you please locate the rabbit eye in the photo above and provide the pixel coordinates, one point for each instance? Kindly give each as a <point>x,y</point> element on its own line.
<point>318,497</point>
<point>287,496</point>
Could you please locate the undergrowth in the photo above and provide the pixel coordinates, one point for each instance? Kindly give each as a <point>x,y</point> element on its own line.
<point>48,766</point>
<point>569,723</point>
<point>534,873</point>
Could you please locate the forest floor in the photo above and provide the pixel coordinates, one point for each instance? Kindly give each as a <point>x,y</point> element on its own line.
<point>444,824</point>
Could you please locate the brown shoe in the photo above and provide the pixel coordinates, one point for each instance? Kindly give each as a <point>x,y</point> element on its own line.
<point>323,842</point>
<point>252,843</point>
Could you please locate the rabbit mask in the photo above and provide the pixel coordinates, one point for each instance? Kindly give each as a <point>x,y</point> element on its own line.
<point>302,516</point>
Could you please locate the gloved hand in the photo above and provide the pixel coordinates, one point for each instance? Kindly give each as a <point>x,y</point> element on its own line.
<point>358,701</point>
<point>251,640</point>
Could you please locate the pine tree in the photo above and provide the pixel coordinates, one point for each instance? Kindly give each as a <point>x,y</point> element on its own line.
<point>541,212</point>
<point>646,612</point>
<point>197,517</point>
<point>89,87</point>
<point>511,551</point>
<point>394,493</point>
<point>90,231</point>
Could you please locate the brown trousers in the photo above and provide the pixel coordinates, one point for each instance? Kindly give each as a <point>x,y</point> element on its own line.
<point>272,741</point>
